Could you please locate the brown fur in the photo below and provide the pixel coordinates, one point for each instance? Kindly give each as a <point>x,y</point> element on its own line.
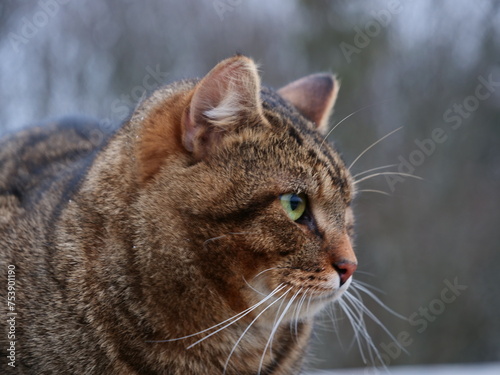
<point>155,232</point>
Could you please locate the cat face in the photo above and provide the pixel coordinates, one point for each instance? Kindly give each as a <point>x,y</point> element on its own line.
<point>264,200</point>
<point>288,216</point>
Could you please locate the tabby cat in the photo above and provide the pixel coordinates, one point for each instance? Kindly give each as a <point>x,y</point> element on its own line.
<point>201,237</point>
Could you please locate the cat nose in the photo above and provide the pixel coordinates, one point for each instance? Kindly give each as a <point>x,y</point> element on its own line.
<point>345,269</point>
<point>342,258</point>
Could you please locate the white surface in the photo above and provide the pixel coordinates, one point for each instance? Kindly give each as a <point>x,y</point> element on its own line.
<point>454,369</point>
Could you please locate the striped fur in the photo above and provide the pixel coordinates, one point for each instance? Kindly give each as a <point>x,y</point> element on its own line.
<point>162,247</point>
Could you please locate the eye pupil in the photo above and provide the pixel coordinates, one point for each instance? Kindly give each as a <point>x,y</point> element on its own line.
<point>294,202</point>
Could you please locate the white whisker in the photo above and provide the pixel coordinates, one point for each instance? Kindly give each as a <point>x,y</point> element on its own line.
<point>275,328</point>
<point>308,307</point>
<point>336,326</point>
<point>372,145</point>
<point>356,326</point>
<point>387,173</point>
<point>250,309</point>
<point>249,326</point>
<point>274,323</point>
<point>352,114</point>
<point>338,123</point>
<point>356,311</point>
<point>253,288</point>
<point>361,310</point>
<point>365,310</point>
<point>231,320</point>
<point>373,191</point>
<point>266,270</point>
<point>363,287</point>
<point>331,312</point>
<point>356,283</point>
<point>373,169</point>
<point>298,309</point>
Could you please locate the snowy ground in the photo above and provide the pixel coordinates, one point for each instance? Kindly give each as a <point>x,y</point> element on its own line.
<point>458,369</point>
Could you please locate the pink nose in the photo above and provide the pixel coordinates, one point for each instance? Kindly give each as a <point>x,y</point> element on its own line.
<point>345,269</point>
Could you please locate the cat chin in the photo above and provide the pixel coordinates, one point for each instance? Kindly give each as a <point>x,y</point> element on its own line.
<point>319,302</point>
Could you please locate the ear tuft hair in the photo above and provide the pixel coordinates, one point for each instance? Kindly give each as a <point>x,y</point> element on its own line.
<point>226,98</point>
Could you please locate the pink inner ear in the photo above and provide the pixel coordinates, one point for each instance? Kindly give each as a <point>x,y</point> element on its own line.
<point>314,97</point>
<point>227,94</point>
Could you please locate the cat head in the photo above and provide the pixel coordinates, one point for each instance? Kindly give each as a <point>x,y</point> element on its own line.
<point>242,183</point>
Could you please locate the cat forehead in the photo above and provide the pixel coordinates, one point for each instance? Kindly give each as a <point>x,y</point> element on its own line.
<point>294,127</point>
<point>307,147</point>
<point>281,112</point>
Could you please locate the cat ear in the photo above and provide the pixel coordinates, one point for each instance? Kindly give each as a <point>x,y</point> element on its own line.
<point>314,97</point>
<point>228,96</point>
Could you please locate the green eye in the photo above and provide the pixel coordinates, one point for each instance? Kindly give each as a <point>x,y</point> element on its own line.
<point>294,205</point>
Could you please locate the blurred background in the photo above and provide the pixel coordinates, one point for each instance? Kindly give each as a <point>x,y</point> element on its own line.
<point>431,246</point>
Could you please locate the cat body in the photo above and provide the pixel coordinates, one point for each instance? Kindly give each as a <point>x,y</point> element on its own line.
<point>201,237</point>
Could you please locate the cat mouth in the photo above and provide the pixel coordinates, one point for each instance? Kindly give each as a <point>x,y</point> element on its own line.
<point>317,299</point>
<point>305,300</point>
<point>305,293</point>
<point>328,295</point>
